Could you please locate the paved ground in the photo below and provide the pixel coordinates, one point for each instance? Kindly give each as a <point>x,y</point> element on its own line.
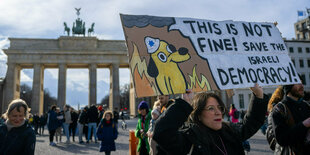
<point>259,145</point>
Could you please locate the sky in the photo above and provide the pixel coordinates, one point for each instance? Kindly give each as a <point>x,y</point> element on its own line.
<point>44,19</point>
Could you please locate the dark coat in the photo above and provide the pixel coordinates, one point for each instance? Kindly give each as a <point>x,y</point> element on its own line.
<point>53,122</point>
<point>92,114</point>
<point>202,140</point>
<point>19,140</point>
<point>291,137</point>
<point>107,134</point>
<point>83,117</point>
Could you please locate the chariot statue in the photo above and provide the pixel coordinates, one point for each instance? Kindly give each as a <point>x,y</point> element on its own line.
<point>78,27</point>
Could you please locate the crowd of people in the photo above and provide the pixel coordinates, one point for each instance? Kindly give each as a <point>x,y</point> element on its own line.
<point>191,124</point>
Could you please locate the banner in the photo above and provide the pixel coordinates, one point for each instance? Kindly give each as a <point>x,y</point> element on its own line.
<point>168,55</point>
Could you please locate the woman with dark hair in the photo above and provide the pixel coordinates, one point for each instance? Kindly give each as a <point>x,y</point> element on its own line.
<point>107,133</point>
<point>17,136</point>
<point>206,133</point>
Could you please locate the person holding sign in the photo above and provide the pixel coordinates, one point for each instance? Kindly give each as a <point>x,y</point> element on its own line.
<point>206,133</point>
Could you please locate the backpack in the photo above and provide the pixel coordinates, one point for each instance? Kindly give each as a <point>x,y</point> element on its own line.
<point>236,114</point>
<point>269,131</point>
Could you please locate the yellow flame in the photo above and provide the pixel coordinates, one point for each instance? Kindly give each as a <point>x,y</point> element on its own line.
<point>203,84</point>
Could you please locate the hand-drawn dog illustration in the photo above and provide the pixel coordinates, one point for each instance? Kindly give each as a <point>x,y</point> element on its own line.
<point>163,65</point>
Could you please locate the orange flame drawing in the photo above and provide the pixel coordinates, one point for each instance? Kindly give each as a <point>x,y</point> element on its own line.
<point>144,85</point>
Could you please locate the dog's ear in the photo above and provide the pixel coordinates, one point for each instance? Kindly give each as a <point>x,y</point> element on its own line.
<point>152,69</point>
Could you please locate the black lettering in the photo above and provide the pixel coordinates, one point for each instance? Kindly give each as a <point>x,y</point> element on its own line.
<point>218,45</point>
<point>218,30</point>
<point>274,74</point>
<point>253,75</point>
<point>288,72</point>
<point>234,30</point>
<point>284,80</point>
<point>202,27</point>
<point>248,29</point>
<point>261,80</point>
<point>264,59</point>
<point>243,72</point>
<point>250,60</point>
<point>210,45</point>
<point>201,46</point>
<point>210,28</point>
<point>232,77</point>
<point>245,44</point>
<point>228,29</point>
<point>258,60</point>
<point>265,71</point>
<point>228,45</point>
<point>222,72</point>
<point>258,30</point>
<point>191,24</point>
<point>267,27</point>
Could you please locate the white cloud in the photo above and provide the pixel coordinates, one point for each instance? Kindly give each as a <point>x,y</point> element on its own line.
<point>24,77</point>
<point>36,18</point>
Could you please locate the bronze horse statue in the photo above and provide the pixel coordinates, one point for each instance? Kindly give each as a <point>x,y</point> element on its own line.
<point>91,29</point>
<point>67,29</point>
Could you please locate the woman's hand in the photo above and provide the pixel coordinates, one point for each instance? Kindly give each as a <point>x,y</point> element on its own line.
<point>258,91</point>
<point>188,96</point>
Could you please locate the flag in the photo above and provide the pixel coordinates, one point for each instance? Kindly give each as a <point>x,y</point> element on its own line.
<point>300,13</point>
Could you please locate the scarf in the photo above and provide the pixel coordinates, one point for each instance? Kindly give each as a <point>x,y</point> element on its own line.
<point>10,126</point>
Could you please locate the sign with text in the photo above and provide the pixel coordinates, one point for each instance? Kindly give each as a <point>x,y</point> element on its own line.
<point>168,55</point>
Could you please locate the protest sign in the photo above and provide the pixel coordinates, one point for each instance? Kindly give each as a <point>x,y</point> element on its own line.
<point>168,55</point>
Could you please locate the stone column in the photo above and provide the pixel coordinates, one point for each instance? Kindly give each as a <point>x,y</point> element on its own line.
<point>11,85</point>
<point>37,89</point>
<point>114,98</point>
<point>132,99</point>
<point>92,96</point>
<point>62,77</point>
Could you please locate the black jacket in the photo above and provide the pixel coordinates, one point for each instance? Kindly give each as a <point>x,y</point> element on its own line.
<point>83,117</point>
<point>92,114</point>
<point>178,141</point>
<point>20,140</point>
<point>291,136</point>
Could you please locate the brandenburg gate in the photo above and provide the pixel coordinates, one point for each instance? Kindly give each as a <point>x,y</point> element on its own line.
<point>63,53</point>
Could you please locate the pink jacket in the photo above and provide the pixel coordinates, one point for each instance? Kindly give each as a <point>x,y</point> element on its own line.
<point>231,114</point>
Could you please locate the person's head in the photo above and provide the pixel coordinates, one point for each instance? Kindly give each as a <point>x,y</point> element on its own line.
<point>53,107</point>
<point>156,104</point>
<point>295,91</point>
<point>276,97</point>
<point>100,108</point>
<point>163,99</point>
<point>208,110</point>
<point>143,108</point>
<point>57,110</point>
<point>17,112</point>
<point>232,106</point>
<point>66,107</point>
<point>108,115</point>
<point>155,114</point>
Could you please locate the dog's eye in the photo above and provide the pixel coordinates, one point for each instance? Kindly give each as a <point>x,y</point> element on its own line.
<point>162,57</point>
<point>171,48</point>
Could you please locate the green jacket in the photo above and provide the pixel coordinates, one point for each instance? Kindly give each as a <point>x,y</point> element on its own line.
<point>146,128</point>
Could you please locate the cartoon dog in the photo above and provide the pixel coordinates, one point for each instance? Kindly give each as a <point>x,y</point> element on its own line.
<point>163,65</point>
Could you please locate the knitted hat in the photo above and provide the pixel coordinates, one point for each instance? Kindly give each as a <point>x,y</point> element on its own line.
<point>143,105</point>
<point>287,88</point>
